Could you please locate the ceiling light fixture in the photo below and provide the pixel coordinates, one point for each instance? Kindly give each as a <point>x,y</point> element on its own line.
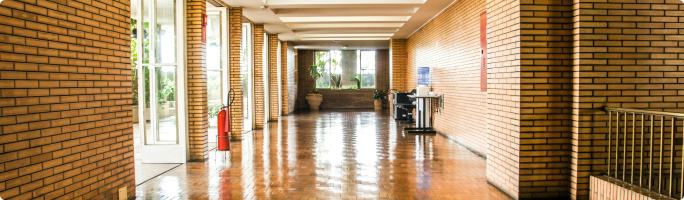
<point>347,19</point>
<point>348,35</point>
<point>344,46</point>
<point>333,39</point>
<point>346,25</point>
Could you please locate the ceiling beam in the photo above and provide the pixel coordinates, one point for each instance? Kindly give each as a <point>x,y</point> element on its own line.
<point>345,19</point>
<point>345,25</point>
<point>339,2</point>
<point>346,35</point>
<point>346,30</point>
<point>357,38</point>
<point>307,12</point>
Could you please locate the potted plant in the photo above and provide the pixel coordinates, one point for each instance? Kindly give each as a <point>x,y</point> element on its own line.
<point>379,96</point>
<point>357,78</point>
<point>314,98</point>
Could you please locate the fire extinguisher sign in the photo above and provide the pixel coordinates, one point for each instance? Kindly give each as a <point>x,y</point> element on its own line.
<point>205,22</point>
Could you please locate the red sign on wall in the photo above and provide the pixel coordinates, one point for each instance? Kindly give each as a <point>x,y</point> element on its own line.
<point>205,22</point>
<point>483,47</point>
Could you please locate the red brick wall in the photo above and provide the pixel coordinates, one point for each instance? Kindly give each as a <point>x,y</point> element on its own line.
<point>235,37</point>
<point>273,77</point>
<point>545,98</point>
<point>341,98</point>
<point>603,188</point>
<point>65,100</point>
<point>397,64</point>
<point>259,76</point>
<point>449,45</point>
<point>630,57</point>
<point>503,94</point>
<point>198,121</point>
<point>457,76</point>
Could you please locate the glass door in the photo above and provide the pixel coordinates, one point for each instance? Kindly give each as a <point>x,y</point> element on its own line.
<point>161,86</point>
<point>217,62</point>
<point>247,64</point>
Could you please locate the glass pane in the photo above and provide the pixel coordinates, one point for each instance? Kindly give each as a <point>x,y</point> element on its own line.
<point>367,69</point>
<point>349,70</point>
<point>335,70</point>
<point>162,124</point>
<point>214,94</point>
<point>214,42</point>
<point>214,89</point>
<point>159,25</point>
<point>322,61</point>
<point>244,68</point>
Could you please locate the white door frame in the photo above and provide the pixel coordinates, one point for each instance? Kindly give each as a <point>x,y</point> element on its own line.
<point>165,153</point>
<point>225,77</point>
<point>248,126</point>
<point>267,63</point>
<point>280,80</point>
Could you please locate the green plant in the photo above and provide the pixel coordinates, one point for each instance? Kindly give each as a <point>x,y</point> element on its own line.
<point>134,63</point>
<point>379,95</point>
<point>214,110</point>
<point>167,92</point>
<point>314,90</point>
<point>352,87</point>
<point>356,78</point>
<point>316,72</point>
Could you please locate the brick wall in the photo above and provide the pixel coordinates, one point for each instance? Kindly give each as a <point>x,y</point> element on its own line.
<point>449,45</point>
<point>198,121</point>
<point>289,90</point>
<point>259,76</point>
<point>629,56</point>
<point>398,64</point>
<point>456,76</point>
<point>65,100</point>
<point>235,37</point>
<point>341,98</point>
<point>273,77</point>
<point>545,98</point>
<point>503,94</point>
<point>603,187</point>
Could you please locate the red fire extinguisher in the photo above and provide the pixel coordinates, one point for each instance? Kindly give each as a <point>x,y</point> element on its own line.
<point>224,125</point>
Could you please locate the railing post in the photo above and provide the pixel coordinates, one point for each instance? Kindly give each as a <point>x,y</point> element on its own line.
<point>617,142</point>
<point>662,148</point>
<point>650,164</point>
<point>672,155</point>
<point>610,132</point>
<point>641,155</point>
<point>631,180</point>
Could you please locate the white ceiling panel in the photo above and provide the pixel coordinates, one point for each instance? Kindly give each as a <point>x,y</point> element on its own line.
<point>359,24</point>
<point>340,2</point>
<point>347,38</point>
<point>346,19</point>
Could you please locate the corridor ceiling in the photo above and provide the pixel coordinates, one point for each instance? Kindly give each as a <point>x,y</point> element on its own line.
<point>331,24</point>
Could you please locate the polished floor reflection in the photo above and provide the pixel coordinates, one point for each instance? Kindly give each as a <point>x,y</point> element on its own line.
<point>331,154</point>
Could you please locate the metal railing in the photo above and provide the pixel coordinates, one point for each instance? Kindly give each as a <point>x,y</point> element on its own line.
<point>645,149</point>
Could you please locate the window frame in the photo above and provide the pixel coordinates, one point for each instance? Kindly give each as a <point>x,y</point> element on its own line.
<point>358,67</point>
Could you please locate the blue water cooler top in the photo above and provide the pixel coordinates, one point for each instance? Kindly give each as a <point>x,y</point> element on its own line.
<point>423,76</point>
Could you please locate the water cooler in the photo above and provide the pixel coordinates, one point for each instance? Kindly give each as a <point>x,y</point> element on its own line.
<point>423,81</point>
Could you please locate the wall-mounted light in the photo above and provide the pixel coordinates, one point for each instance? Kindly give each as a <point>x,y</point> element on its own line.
<point>344,46</point>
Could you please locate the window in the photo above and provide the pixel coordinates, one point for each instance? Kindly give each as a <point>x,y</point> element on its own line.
<point>346,69</point>
<point>367,69</point>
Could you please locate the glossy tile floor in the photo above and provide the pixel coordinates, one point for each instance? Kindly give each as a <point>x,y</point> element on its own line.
<point>331,154</point>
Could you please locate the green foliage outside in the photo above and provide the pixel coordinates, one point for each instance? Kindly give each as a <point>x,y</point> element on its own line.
<point>214,110</point>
